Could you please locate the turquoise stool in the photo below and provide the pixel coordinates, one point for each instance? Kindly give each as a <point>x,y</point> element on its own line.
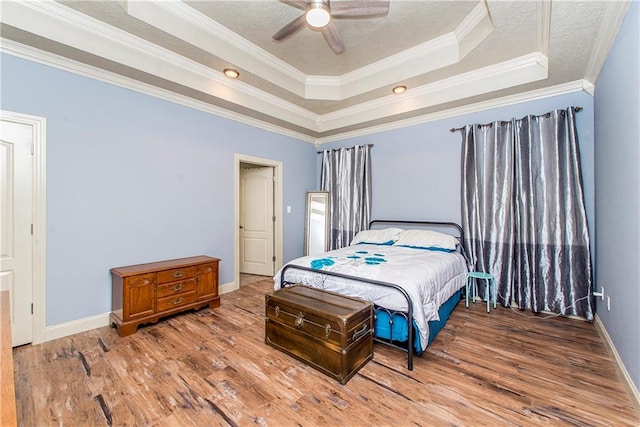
<point>489,287</point>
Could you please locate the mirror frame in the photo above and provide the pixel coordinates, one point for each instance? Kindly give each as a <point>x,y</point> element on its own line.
<point>307,222</point>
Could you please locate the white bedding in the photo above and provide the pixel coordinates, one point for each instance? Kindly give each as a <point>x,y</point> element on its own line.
<point>429,277</point>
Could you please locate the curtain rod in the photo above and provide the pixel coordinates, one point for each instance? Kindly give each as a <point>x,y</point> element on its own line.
<point>457,129</point>
<point>335,149</point>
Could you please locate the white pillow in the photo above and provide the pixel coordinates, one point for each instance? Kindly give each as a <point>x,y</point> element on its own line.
<point>384,236</point>
<point>427,239</point>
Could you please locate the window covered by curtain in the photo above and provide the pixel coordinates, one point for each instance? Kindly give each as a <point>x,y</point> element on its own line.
<point>523,207</point>
<point>346,175</point>
<point>488,201</point>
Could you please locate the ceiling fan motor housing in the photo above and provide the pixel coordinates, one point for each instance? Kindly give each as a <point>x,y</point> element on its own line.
<point>318,13</point>
<point>318,17</point>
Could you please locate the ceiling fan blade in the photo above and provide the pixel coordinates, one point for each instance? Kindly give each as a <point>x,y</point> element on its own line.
<point>300,4</point>
<point>359,7</point>
<point>292,27</point>
<point>333,38</point>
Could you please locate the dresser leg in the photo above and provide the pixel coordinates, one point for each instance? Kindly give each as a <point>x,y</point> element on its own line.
<point>128,329</point>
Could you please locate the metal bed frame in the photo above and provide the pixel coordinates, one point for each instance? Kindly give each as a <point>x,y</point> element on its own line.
<point>408,315</point>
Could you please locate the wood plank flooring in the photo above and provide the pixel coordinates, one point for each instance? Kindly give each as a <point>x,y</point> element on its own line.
<point>212,368</point>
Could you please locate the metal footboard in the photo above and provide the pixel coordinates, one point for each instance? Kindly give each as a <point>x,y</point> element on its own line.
<point>408,315</point>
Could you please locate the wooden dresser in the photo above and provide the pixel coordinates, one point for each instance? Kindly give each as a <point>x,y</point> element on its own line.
<point>144,293</point>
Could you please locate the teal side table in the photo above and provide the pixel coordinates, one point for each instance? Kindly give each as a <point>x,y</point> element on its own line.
<point>489,287</point>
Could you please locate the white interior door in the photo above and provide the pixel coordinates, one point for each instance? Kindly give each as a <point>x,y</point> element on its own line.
<point>256,221</point>
<point>16,213</point>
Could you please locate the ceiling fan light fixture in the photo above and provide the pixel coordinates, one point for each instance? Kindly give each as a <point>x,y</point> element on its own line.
<point>231,73</point>
<point>399,89</point>
<point>318,14</point>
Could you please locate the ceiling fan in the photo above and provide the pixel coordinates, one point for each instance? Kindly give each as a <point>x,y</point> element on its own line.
<point>319,15</point>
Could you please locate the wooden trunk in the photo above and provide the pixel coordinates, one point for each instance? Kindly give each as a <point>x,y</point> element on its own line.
<point>330,332</point>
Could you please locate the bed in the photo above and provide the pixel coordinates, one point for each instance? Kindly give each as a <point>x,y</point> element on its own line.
<point>413,274</point>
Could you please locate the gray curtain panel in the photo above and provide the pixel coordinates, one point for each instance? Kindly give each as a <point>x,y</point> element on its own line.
<point>488,202</point>
<point>523,207</point>
<point>552,237</point>
<point>346,175</point>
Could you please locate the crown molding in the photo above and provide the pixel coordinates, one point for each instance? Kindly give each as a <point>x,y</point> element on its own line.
<point>420,59</point>
<point>331,120</point>
<point>64,25</point>
<point>473,29</point>
<point>65,64</point>
<point>437,53</point>
<point>179,19</point>
<point>525,69</point>
<point>323,87</point>
<point>588,87</point>
<point>186,23</point>
<point>611,23</point>
<point>543,14</point>
<point>505,101</point>
<point>36,55</point>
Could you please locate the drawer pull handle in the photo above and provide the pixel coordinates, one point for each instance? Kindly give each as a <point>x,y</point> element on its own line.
<point>178,274</point>
<point>277,311</point>
<point>177,301</point>
<point>361,332</point>
<point>327,331</point>
<point>299,320</point>
<point>177,287</point>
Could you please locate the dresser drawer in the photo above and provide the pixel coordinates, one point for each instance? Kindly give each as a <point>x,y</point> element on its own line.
<point>169,289</point>
<point>175,301</point>
<point>172,275</point>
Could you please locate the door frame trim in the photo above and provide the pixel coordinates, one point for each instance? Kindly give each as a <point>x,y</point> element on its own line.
<point>277,208</point>
<point>39,219</point>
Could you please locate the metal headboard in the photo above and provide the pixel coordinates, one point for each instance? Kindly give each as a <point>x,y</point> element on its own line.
<point>428,224</point>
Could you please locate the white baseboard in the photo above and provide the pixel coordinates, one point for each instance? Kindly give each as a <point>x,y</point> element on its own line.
<point>62,330</point>
<point>624,374</point>
<point>228,287</point>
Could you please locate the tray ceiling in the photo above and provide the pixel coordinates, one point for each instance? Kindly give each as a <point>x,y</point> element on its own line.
<point>453,56</point>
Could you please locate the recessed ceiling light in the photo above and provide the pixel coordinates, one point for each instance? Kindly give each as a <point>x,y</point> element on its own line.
<point>399,89</point>
<point>231,73</point>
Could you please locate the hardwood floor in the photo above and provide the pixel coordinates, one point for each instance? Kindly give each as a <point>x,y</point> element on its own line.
<point>212,367</point>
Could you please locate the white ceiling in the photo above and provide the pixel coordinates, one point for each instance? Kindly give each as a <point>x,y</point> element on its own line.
<point>454,56</point>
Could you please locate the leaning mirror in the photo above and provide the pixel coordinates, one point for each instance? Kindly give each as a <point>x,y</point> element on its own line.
<point>318,219</point>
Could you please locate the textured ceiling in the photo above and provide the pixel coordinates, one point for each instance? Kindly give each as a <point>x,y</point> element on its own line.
<point>367,40</point>
<point>451,55</point>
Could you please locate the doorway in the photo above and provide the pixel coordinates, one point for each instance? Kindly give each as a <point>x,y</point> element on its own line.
<point>22,222</point>
<point>257,252</point>
<point>258,216</point>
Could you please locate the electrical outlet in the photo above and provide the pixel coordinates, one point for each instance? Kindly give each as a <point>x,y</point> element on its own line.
<point>600,294</point>
<point>608,303</point>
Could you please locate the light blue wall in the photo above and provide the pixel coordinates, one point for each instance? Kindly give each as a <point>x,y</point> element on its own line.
<point>133,179</point>
<point>617,113</point>
<point>416,170</point>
